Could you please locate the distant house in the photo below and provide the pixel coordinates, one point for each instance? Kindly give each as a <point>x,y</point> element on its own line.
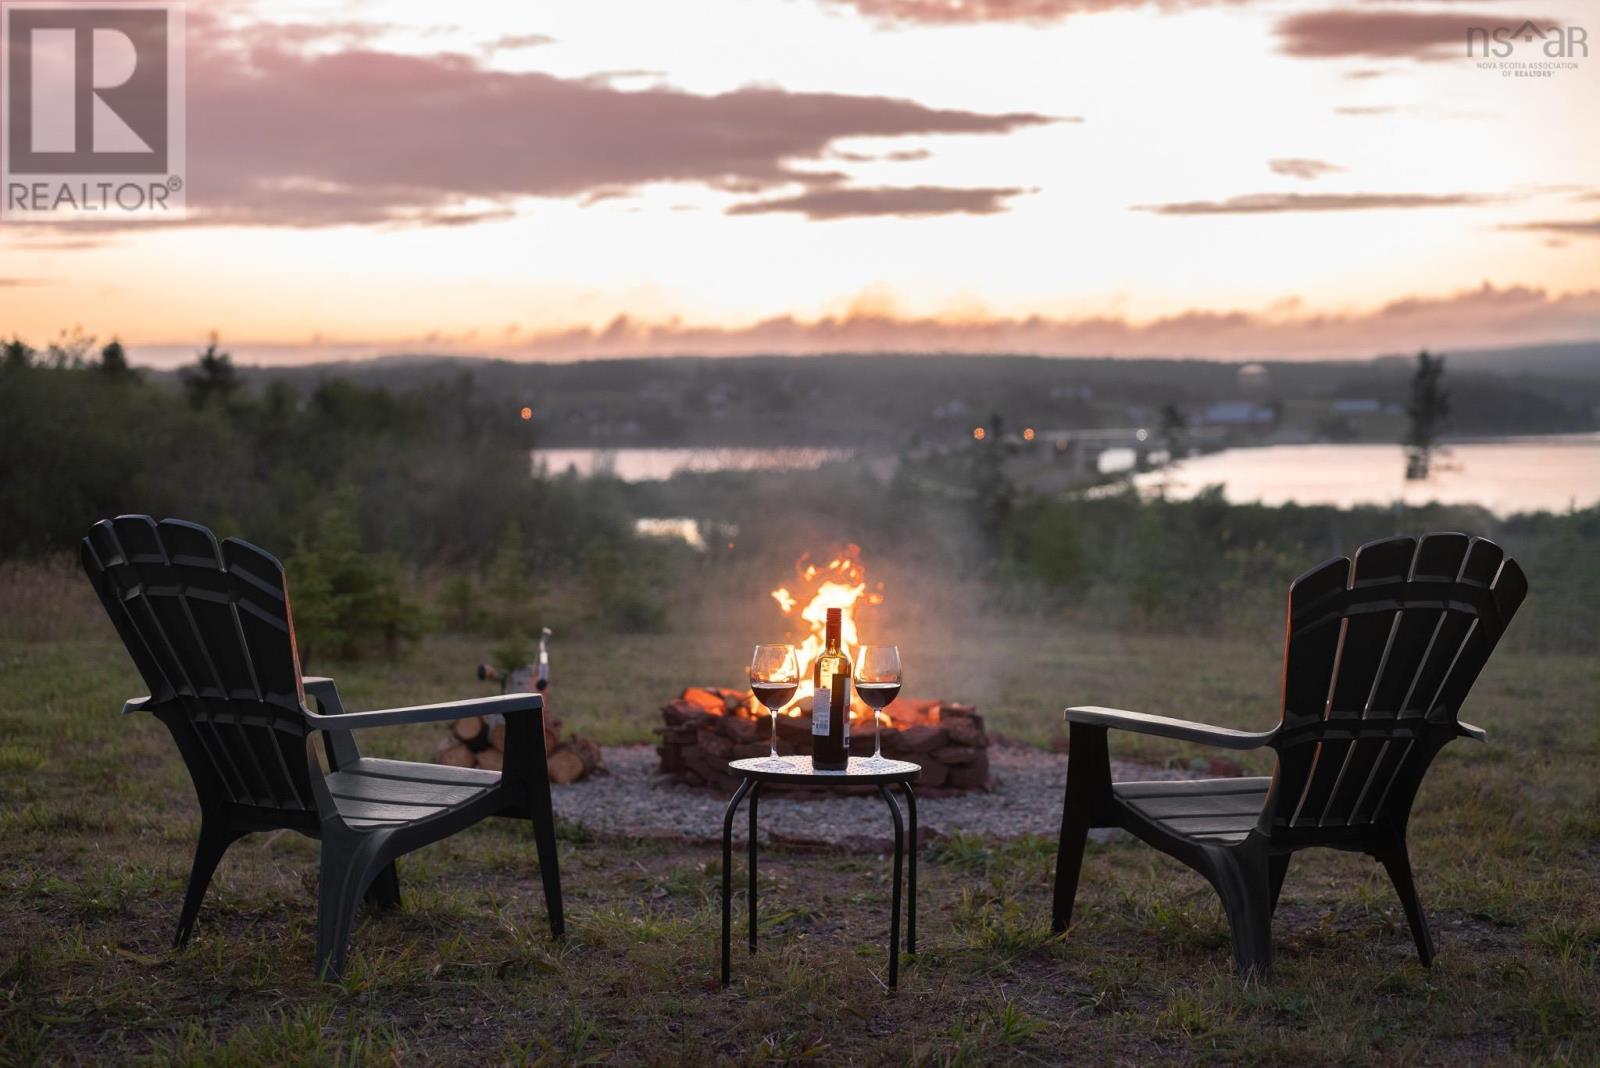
<point>1238,414</point>
<point>956,409</point>
<point>1356,406</point>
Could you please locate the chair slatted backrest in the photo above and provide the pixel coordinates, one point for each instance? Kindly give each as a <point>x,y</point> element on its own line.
<point>209,628</point>
<point>1379,653</point>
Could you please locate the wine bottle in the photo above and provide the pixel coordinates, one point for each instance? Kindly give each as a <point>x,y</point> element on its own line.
<point>830,702</point>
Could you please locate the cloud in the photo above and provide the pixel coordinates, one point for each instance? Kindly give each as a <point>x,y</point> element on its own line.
<point>12,283</point>
<point>291,137</point>
<point>1381,109</point>
<point>512,41</point>
<point>1265,203</point>
<point>857,203</point>
<point>904,155</point>
<point>1305,169</point>
<point>1388,34</point>
<point>1487,316</point>
<point>1471,318</point>
<point>1562,227</point>
<point>961,12</point>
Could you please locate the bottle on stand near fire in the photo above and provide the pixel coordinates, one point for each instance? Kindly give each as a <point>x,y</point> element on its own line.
<point>830,702</point>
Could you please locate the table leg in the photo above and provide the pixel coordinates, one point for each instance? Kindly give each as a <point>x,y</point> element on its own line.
<point>755,796</point>
<point>727,876</point>
<point>911,903</point>
<point>894,908</point>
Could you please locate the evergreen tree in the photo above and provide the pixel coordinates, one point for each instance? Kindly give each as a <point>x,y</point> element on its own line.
<point>114,362</point>
<point>16,353</point>
<point>1428,409</point>
<point>1174,431</point>
<point>346,597</point>
<point>213,375</point>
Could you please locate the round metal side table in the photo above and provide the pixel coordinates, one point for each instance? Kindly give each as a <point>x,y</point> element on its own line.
<point>883,774</point>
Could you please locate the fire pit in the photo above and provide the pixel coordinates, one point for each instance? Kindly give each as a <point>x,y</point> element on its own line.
<point>705,727</point>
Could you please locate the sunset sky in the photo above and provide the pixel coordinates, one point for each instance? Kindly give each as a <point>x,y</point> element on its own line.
<point>591,177</point>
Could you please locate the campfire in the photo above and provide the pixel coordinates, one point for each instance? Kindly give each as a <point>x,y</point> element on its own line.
<point>705,726</point>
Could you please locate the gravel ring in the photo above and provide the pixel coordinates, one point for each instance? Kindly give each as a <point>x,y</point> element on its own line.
<point>634,801</point>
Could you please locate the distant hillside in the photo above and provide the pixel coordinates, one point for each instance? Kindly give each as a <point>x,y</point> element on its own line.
<point>1579,359</point>
<point>897,399</point>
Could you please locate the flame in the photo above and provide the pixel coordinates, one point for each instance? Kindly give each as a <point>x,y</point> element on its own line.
<point>840,583</point>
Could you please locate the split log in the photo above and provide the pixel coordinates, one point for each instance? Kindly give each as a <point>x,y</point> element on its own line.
<point>456,756</point>
<point>573,760</point>
<point>565,766</point>
<point>480,742</point>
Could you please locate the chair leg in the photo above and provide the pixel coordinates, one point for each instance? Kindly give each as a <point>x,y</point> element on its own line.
<point>543,815</point>
<point>1088,788</point>
<point>1397,863</point>
<point>384,893</point>
<point>1277,868</point>
<point>1069,862</point>
<point>347,869</point>
<point>215,837</point>
<point>1243,882</point>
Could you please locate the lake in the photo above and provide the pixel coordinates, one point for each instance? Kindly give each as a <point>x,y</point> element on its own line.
<point>650,465</point>
<point>1515,475</point>
<point>1505,476</point>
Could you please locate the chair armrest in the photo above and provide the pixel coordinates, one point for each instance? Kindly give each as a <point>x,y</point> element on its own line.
<point>1164,727</point>
<point>327,694</point>
<point>339,745</point>
<point>137,704</point>
<point>1467,730</point>
<point>504,704</point>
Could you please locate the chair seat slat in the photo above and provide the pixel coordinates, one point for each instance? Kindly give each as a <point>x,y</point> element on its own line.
<point>431,773</point>
<point>351,808</point>
<point>357,787</point>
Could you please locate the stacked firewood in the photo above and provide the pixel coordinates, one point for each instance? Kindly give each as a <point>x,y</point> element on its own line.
<point>706,727</point>
<point>480,742</point>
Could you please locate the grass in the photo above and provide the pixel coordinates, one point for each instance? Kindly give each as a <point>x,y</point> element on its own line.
<point>97,821</point>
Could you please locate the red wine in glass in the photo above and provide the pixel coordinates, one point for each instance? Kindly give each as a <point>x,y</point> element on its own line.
<point>878,695</point>
<point>774,695</point>
<point>774,678</point>
<point>878,679</point>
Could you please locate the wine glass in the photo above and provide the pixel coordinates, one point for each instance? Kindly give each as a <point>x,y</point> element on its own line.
<point>774,677</point>
<point>878,679</point>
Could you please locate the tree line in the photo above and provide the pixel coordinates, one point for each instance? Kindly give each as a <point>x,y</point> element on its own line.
<point>357,487</point>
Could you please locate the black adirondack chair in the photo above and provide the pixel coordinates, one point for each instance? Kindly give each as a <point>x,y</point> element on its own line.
<point>1379,654</point>
<point>209,627</point>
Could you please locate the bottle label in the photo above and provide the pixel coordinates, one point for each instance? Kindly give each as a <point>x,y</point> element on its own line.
<point>821,708</point>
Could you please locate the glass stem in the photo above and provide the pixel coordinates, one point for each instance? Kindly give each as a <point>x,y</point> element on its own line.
<point>877,736</point>
<point>774,714</point>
